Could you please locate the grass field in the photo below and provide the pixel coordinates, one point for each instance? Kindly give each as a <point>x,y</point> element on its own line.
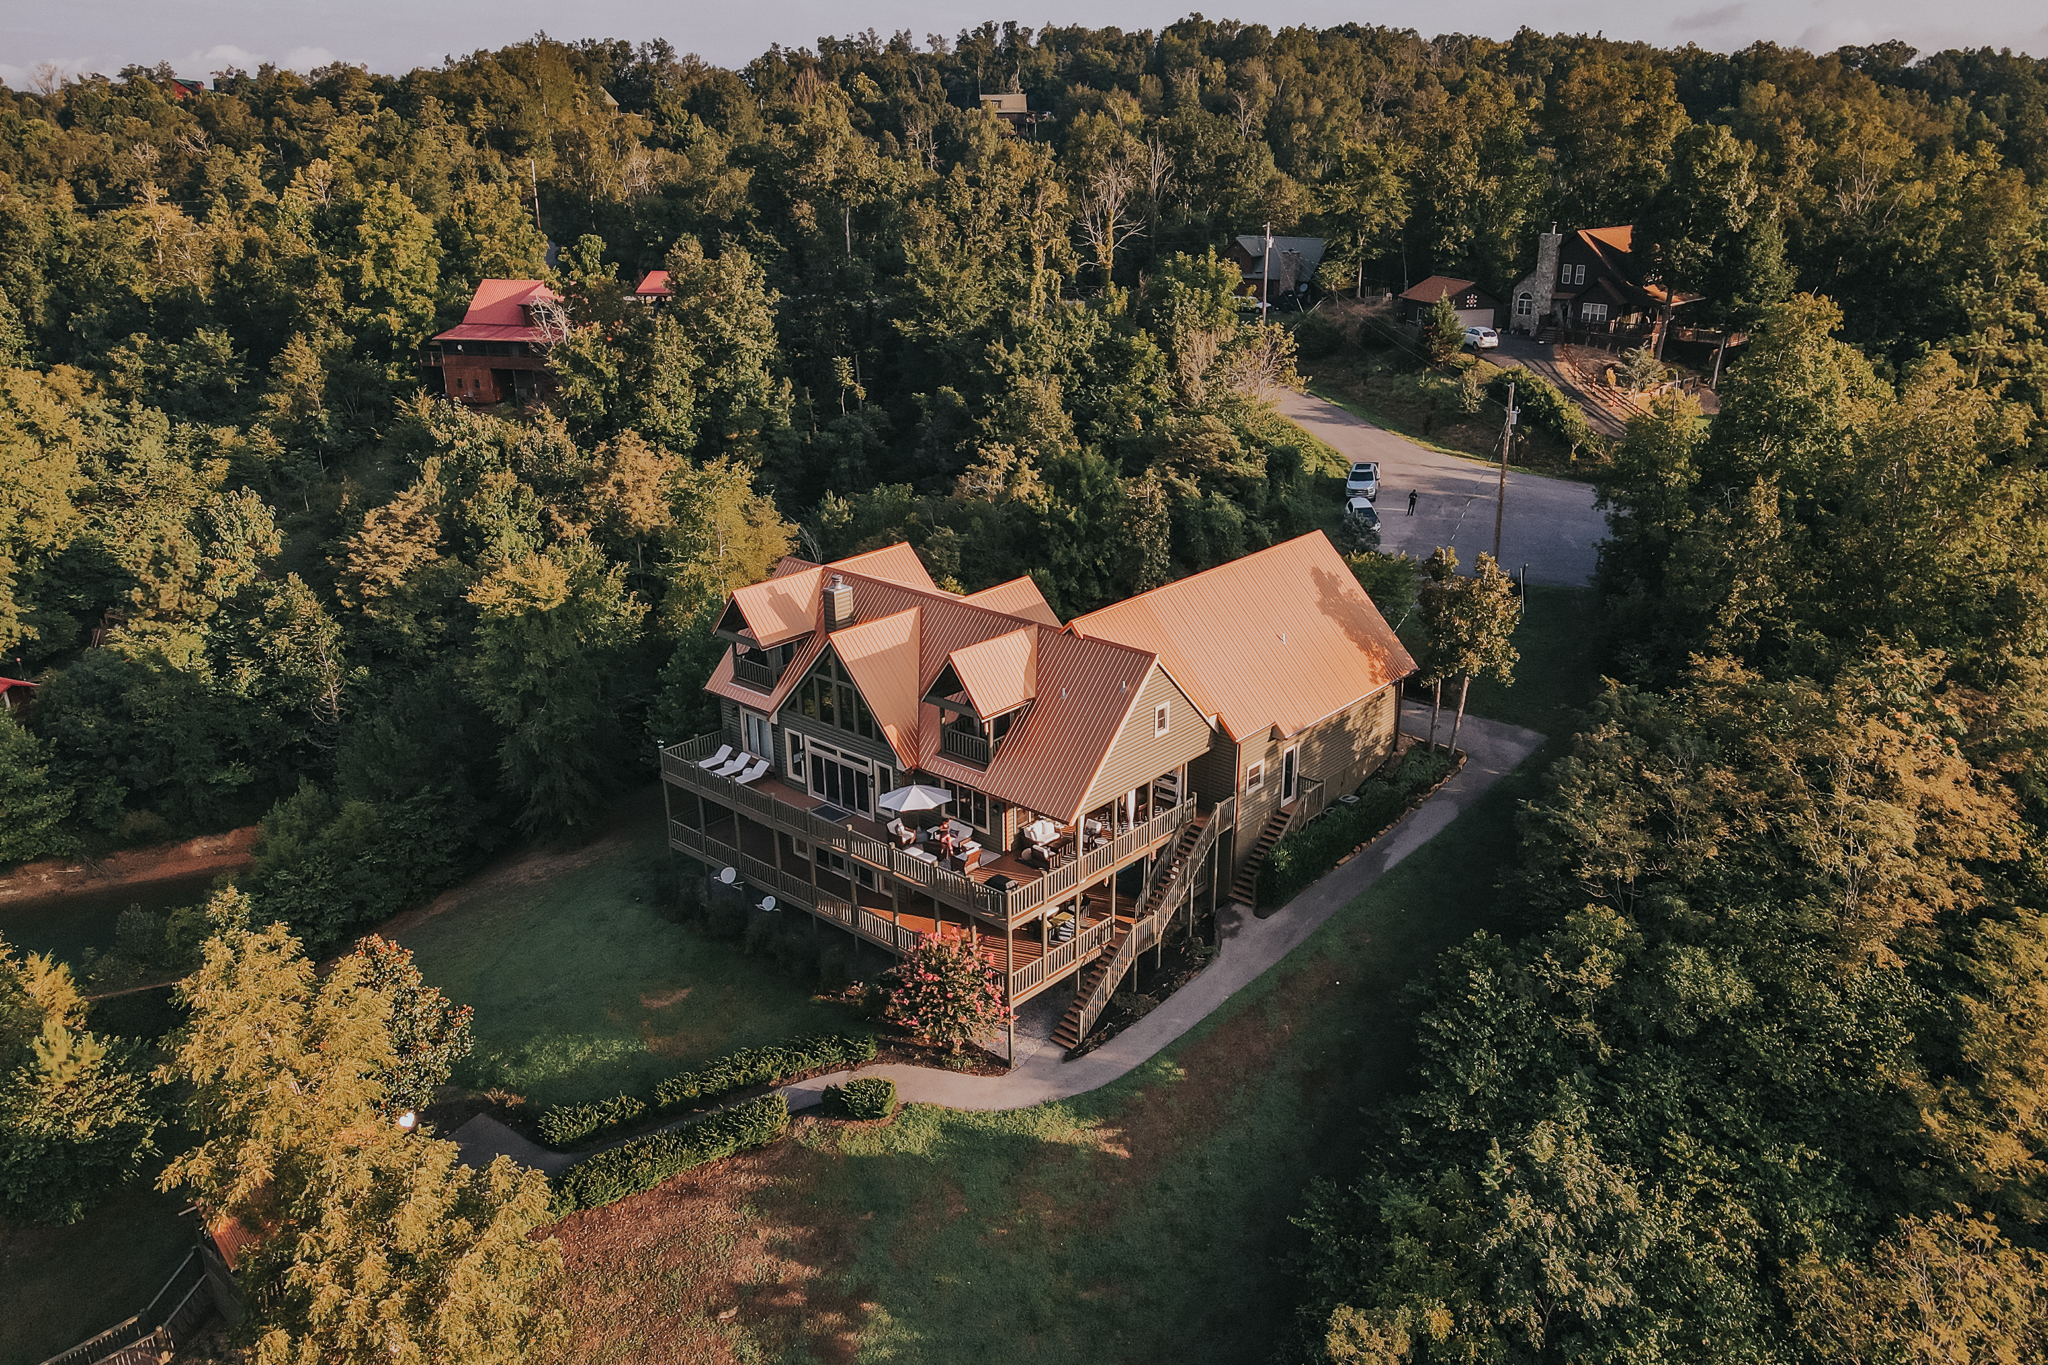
<point>59,1286</point>
<point>1147,1221</point>
<point>583,987</point>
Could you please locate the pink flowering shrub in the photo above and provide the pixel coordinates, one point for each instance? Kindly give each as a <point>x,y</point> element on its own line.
<point>944,993</point>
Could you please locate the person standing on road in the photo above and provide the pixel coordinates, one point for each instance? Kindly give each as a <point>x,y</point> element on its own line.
<point>1413,494</point>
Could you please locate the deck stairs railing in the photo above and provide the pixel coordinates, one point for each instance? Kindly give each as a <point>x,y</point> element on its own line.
<point>1173,879</point>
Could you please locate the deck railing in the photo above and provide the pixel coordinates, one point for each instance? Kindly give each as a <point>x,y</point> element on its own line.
<point>756,674</point>
<point>968,748</point>
<point>1148,930</point>
<point>679,765</point>
<point>1060,957</point>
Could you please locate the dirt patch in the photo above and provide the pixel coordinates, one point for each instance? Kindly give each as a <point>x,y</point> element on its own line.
<point>666,998</point>
<point>50,878</point>
<point>733,1262</point>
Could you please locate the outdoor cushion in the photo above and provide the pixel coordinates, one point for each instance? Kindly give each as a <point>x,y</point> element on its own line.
<point>724,753</point>
<point>739,761</point>
<point>750,774</point>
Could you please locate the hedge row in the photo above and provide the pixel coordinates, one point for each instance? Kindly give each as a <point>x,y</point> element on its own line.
<point>870,1097</point>
<point>1309,852</point>
<point>645,1162</point>
<point>571,1125</point>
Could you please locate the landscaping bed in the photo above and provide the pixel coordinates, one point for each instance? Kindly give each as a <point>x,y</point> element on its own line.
<point>1307,854</point>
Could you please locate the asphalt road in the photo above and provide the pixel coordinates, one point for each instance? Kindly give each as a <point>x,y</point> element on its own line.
<point>1550,524</point>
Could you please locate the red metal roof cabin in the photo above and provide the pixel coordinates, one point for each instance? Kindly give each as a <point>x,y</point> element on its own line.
<point>498,353</point>
<point>15,695</point>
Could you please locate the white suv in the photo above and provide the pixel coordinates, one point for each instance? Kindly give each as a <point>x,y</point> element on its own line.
<point>1364,481</point>
<point>1482,338</point>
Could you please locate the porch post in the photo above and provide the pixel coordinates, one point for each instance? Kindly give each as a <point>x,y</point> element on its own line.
<point>1009,1002</point>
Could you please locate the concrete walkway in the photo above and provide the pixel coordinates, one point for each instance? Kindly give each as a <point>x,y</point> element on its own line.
<point>1250,947</point>
<point>1551,524</point>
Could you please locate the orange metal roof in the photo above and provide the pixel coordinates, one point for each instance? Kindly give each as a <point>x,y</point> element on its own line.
<point>781,608</point>
<point>1275,641</point>
<point>881,657</point>
<point>497,312</point>
<point>1000,674</point>
<point>1620,238</point>
<point>1018,597</point>
<point>896,563</point>
<point>654,284</point>
<point>1085,687</point>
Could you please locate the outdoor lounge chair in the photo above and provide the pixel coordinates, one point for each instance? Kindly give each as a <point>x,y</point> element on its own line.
<point>739,760</point>
<point>716,760</point>
<point>905,835</point>
<point>760,766</point>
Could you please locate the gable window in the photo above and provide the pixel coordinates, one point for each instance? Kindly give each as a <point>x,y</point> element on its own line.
<point>1160,720</point>
<point>829,697</point>
<point>1524,305</point>
<point>1594,312</point>
<point>1255,777</point>
<point>1471,300</point>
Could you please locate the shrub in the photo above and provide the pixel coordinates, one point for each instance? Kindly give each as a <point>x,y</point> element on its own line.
<point>1307,853</point>
<point>570,1125</point>
<point>1542,405</point>
<point>645,1162</point>
<point>756,1065</point>
<point>566,1125</point>
<point>870,1097</point>
<point>945,993</point>
<point>1316,336</point>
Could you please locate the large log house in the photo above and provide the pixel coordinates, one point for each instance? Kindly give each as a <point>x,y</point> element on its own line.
<point>1106,774</point>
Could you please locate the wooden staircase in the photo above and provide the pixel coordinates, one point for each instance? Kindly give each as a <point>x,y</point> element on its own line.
<point>1172,880</point>
<point>1245,890</point>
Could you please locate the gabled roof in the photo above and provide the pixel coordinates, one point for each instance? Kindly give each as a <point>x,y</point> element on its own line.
<point>1437,287</point>
<point>907,632</point>
<point>896,563</point>
<point>1310,249</point>
<point>497,312</point>
<point>654,285</point>
<point>999,674</point>
<point>1273,642</point>
<point>1018,597</point>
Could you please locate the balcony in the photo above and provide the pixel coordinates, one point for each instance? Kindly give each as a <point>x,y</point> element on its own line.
<point>755,672</point>
<point>779,807</point>
<point>965,746</point>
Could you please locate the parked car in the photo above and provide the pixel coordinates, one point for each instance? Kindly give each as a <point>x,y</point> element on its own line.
<point>1361,511</point>
<point>1482,338</point>
<point>1363,481</point>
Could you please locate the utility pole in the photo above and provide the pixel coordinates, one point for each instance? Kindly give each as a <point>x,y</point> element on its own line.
<point>1266,274</point>
<point>1507,439</point>
<point>533,170</point>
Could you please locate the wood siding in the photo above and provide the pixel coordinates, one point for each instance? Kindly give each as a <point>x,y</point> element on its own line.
<point>1339,752</point>
<point>1137,754</point>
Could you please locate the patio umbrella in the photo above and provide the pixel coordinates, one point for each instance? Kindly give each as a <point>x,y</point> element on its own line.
<point>1041,831</point>
<point>905,800</point>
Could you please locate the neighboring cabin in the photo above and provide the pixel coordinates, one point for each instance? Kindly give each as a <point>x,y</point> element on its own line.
<point>498,352</point>
<point>1475,307</point>
<point>1293,262</point>
<point>1105,775</point>
<point>1591,281</point>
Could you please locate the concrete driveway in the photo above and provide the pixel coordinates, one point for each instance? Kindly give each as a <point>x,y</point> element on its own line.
<point>1550,524</point>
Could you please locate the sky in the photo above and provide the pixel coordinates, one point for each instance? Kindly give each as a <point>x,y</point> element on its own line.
<point>199,37</point>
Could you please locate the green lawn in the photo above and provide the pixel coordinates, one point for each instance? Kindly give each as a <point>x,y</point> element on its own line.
<point>583,988</point>
<point>1145,1221</point>
<point>59,1286</point>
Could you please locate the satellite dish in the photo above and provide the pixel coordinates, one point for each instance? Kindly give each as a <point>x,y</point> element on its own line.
<point>727,875</point>
<point>768,904</point>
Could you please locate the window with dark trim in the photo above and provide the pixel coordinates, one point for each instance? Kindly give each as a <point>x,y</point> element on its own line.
<point>829,696</point>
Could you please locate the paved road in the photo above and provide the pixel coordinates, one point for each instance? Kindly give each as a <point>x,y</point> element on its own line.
<point>1551,524</point>
<point>1250,947</point>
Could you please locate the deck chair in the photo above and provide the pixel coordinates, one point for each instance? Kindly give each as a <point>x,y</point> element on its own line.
<point>760,766</point>
<point>739,761</point>
<point>768,905</point>
<point>716,760</point>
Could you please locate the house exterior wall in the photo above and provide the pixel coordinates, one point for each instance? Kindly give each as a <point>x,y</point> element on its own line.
<point>1539,285</point>
<point>1339,752</point>
<point>1213,775</point>
<point>1138,755</point>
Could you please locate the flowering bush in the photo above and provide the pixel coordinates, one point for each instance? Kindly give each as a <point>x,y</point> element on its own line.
<point>945,993</point>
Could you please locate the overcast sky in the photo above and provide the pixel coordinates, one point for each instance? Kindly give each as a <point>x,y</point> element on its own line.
<point>199,37</point>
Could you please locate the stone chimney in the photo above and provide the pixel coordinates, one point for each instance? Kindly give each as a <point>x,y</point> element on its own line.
<point>838,605</point>
<point>1538,286</point>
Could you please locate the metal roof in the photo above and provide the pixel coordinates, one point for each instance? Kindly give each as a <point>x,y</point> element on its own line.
<point>1273,642</point>
<point>1001,674</point>
<point>1018,597</point>
<point>497,312</point>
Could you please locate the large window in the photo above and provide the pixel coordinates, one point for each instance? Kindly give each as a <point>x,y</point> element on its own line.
<point>1524,305</point>
<point>971,807</point>
<point>829,696</point>
<point>1594,312</point>
<point>846,780</point>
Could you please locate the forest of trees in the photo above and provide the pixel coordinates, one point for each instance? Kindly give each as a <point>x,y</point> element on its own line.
<point>1762,1073</point>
